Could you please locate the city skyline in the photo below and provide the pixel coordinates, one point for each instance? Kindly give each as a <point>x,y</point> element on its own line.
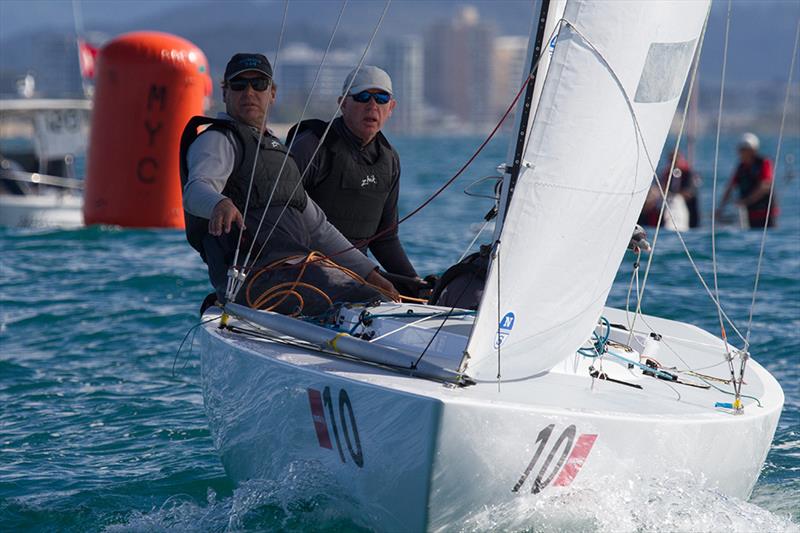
<point>457,71</point>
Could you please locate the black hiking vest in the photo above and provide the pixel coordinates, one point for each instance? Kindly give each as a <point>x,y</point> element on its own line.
<point>354,193</point>
<point>271,154</point>
<point>748,179</point>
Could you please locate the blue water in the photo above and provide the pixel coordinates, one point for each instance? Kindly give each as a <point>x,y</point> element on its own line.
<point>97,432</point>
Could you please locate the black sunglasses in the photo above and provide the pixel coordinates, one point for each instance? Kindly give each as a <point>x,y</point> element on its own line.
<point>240,84</point>
<point>364,96</point>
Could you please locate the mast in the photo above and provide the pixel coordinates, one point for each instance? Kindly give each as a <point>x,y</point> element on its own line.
<point>534,54</point>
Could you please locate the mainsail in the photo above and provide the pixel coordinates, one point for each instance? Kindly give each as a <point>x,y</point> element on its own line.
<point>608,99</point>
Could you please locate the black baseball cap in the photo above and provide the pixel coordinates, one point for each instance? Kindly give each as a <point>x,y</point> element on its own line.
<point>245,63</point>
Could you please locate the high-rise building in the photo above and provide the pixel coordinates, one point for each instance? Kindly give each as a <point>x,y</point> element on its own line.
<point>295,72</point>
<point>403,60</point>
<point>458,67</point>
<point>508,66</point>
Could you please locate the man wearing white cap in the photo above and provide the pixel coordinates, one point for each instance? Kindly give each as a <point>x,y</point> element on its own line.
<point>234,175</point>
<point>754,178</point>
<point>355,176</point>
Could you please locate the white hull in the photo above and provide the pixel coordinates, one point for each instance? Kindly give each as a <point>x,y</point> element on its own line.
<point>420,455</point>
<point>41,210</point>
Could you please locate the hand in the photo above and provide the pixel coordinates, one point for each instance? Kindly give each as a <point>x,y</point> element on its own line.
<point>741,203</point>
<point>382,283</point>
<point>223,216</point>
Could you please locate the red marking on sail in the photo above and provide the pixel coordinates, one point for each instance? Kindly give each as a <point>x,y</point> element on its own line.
<point>576,460</point>
<point>318,416</point>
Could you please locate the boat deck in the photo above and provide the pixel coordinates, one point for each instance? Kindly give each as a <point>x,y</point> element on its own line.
<point>693,356</point>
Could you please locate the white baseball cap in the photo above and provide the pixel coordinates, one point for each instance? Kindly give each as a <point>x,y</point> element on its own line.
<point>365,78</point>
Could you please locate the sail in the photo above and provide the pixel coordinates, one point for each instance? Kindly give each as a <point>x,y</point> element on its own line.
<point>608,99</point>
<point>546,25</point>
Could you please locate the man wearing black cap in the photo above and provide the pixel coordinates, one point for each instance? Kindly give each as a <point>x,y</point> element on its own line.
<point>355,176</point>
<point>216,169</point>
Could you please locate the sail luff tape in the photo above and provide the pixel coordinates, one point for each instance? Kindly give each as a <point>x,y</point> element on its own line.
<point>332,342</point>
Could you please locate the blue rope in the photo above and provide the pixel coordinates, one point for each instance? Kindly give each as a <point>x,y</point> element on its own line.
<point>599,343</point>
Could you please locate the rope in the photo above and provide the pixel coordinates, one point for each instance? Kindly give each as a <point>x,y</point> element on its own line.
<point>321,141</point>
<point>286,289</point>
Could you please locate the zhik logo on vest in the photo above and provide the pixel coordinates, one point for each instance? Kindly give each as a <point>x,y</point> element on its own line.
<point>370,179</point>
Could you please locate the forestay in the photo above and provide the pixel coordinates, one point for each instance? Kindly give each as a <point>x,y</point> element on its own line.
<point>611,91</point>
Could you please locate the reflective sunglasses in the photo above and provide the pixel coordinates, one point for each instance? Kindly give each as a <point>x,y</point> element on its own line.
<point>240,84</point>
<point>364,96</point>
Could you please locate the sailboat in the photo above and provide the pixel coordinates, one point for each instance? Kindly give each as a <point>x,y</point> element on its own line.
<point>40,141</point>
<point>423,414</point>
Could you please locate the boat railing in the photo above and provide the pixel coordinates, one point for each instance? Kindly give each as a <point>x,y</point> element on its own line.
<point>37,178</point>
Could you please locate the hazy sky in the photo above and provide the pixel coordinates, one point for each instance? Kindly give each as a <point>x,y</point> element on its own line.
<point>762,31</point>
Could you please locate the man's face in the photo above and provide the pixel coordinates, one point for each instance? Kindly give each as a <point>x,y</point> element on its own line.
<point>247,104</point>
<point>366,119</point>
<point>746,155</point>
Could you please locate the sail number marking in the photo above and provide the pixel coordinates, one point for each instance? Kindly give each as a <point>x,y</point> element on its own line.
<point>569,461</point>
<point>347,424</point>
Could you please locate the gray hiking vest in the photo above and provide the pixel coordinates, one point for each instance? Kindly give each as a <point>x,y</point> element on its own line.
<point>271,154</point>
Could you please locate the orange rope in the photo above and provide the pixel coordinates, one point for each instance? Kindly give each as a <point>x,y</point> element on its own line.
<point>286,289</point>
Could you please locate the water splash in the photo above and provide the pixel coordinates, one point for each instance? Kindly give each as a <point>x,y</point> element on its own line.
<point>674,504</point>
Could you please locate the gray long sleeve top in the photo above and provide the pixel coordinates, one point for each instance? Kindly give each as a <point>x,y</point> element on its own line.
<point>210,161</point>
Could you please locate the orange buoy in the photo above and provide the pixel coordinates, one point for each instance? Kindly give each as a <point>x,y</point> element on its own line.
<point>148,85</point>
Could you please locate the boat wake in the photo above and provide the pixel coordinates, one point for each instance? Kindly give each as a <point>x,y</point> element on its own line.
<point>677,503</point>
<point>306,499</point>
<point>303,498</point>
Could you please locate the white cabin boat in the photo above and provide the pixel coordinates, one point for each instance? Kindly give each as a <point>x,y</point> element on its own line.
<point>41,141</point>
<point>425,415</point>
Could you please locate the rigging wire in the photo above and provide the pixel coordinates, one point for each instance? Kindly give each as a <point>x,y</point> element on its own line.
<point>746,348</point>
<point>474,240</point>
<point>652,166</point>
<point>291,144</point>
<point>232,273</point>
<point>440,190</point>
<point>728,355</point>
<point>665,189</point>
<point>238,283</point>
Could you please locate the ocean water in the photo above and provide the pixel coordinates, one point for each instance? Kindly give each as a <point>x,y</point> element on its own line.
<point>102,426</point>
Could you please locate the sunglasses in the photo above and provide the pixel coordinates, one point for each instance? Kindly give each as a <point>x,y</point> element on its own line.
<point>364,96</point>
<point>240,84</point>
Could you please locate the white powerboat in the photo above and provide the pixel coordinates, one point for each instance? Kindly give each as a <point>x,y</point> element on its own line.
<point>425,415</point>
<point>41,141</point>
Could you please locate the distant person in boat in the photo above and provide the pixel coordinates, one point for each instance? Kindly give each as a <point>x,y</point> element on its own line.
<point>684,206</point>
<point>753,177</point>
<point>216,168</point>
<point>355,175</point>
